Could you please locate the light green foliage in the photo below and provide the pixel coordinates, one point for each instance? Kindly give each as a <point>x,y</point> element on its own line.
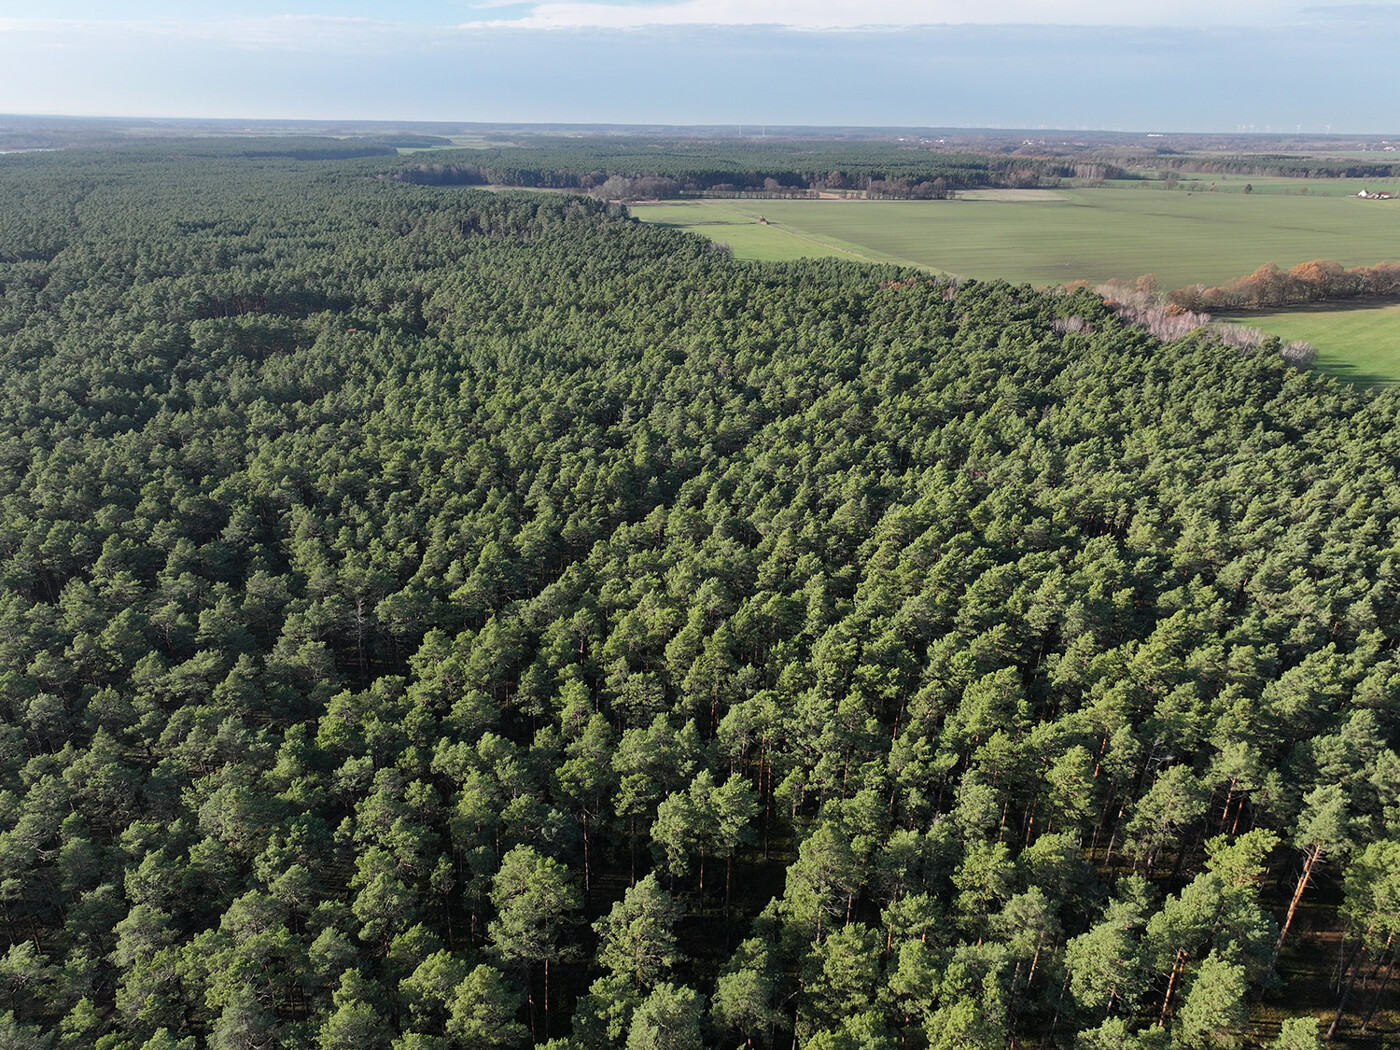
<point>354,1021</point>
<point>668,1019</point>
<point>685,823</point>
<point>1207,913</point>
<point>1372,893</point>
<point>968,1016</point>
<point>1241,863</point>
<point>1069,789</point>
<point>20,1036</point>
<point>1118,1034</point>
<point>419,1041</point>
<point>163,1039</point>
<point>432,985</point>
<point>1298,1033</point>
<point>744,999</point>
<point>1027,925</point>
<point>912,986</point>
<point>1105,963</point>
<point>1214,1010</point>
<point>1176,799</point>
<point>1323,825</point>
<point>483,1010</point>
<point>244,1022</point>
<point>638,934</point>
<point>864,1031</point>
<point>735,806</point>
<point>81,1026</point>
<point>602,1016</point>
<point>25,975</point>
<point>821,882</point>
<point>840,976</point>
<point>984,881</point>
<point>586,775</point>
<point>537,906</point>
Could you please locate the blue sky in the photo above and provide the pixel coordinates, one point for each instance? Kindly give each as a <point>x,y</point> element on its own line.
<point>1177,65</point>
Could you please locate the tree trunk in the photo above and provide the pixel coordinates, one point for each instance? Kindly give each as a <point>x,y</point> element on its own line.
<point>1178,968</point>
<point>1313,856</point>
<point>728,878</point>
<point>1035,959</point>
<point>1229,798</point>
<point>1342,1003</point>
<point>1059,1005</point>
<point>586,865</point>
<point>1385,983</point>
<point>765,788</point>
<point>1108,854</point>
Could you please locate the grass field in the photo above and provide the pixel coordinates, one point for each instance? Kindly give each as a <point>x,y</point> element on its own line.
<point>738,225</point>
<point>1192,182</point>
<point>1049,239</point>
<point>1359,342</point>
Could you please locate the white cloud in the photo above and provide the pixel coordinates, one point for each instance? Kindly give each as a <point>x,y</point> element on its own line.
<point>861,14</point>
<point>356,33</point>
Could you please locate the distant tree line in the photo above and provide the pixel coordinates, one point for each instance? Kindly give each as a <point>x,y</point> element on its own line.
<point>634,169</point>
<point>1319,280</point>
<point>300,147</point>
<point>1283,166</point>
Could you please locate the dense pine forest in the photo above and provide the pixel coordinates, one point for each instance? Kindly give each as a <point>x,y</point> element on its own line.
<point>634,168</point>
<point>434,619</point>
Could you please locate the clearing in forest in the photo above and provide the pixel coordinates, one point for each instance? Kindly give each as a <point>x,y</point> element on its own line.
<point>1357,341</point>
<point>1184,237</point>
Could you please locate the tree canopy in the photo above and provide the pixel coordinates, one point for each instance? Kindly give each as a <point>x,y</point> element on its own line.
<point>434,618</point>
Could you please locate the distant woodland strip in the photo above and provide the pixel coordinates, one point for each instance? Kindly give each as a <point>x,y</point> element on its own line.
<point>1282,166</point>
<point>1320,280</point>
<point>658,170</point>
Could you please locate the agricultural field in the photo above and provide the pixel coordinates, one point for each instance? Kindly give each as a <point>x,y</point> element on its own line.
<point>740,225</point>
<point>1049,238</point>
<point>1359,342</point>
<point>1274,185</point>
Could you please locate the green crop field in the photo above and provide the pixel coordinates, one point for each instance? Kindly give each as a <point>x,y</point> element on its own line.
<point>1051,238</point>
<point>738,225</point>
<point>1358,342</point>
<point>1280,184</point>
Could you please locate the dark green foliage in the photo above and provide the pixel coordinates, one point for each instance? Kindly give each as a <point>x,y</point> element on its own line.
<point>631,168</point>
<point>435,619</point>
